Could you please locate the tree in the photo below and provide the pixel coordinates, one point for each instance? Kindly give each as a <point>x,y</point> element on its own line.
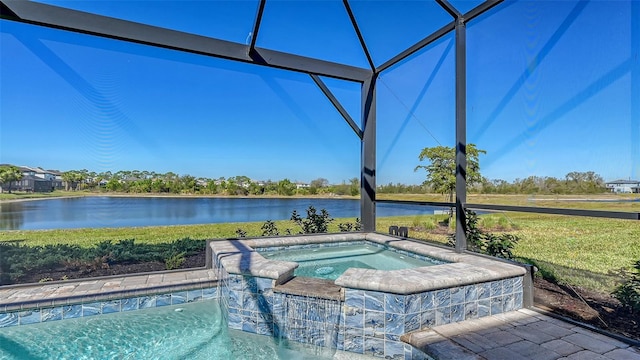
<point>189,184</point>
<point>212,187</point>
<point>72,178</point>
<point>441,170</point>
<point>9,174</point>
<point>317,184</point>
<point>231,186</point>
<point>286,187</point>
<point>584,182</point>
<point>255,189</point>
<point>158,186</point>
<point>113,184</point>
<point>354,186</point>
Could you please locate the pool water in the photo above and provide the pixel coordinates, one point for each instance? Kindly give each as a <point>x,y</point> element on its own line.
<point>188,331</point>
<point>331,262</point>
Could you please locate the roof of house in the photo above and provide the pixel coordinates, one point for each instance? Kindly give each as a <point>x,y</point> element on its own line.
<point>624,182</point>
<point>33,177</point>
<point>29,168</point>
<point>39,170</point>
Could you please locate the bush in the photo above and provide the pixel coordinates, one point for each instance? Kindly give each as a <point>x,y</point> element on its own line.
<point>16,260</point>
<point>175,261</point>
<point>486,243</point>
<point>500,245</point>
<point>123,252</point>
<point>628,293</point>
<point>314,223</point>
<point>269,228</point>
<point>430,224</point>
<point>346,227</point>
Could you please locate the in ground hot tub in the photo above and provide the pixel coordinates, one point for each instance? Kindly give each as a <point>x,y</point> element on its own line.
<point>329,261</point>
<point>364,310</point>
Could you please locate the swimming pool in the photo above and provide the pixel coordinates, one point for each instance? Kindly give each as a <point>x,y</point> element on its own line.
<point>331,262</point>
<point>186,331</point>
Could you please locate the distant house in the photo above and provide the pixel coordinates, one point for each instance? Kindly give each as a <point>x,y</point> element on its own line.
<point>36,179</point>
<point>56,179</point>
<point>31,183</point>
<point>301,185</point>
<point>624,186</point>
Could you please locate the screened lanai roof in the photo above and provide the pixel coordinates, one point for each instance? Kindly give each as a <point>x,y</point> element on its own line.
<point>362,34</point>
<point>561,76</point>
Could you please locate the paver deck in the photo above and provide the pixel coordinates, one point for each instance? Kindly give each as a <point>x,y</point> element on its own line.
<point>73,291</point>
<point>522,334</point>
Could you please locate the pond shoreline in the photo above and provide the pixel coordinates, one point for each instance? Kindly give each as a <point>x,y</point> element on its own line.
<point>181,196</point>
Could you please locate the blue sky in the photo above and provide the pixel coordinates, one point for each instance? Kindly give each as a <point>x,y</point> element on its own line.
<point>550,90</point>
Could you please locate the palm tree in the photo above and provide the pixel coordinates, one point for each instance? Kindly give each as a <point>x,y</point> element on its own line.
<point>9,174</point>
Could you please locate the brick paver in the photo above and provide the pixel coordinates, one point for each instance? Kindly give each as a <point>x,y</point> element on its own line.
<point>532,350</point>
<point>589,342</point>
<point>65,292</point>
<point>585,355</point>
<point>562,347</point>
<point>502,354</point>
<point>624,354</point>
<point>522,334</point>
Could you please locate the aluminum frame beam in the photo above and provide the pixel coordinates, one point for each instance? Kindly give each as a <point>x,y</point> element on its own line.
<point>417,47</point>
<point>443,204</point>
<point>356,28</point>
<point>528,209</point>
<point>256,26</point>
<point>98,25</point>
<point>461,134</point>
<point>480,9</point>
<point>368,153</point>
<point>327,92</point>
<point>468,16</point>
<point>558,211</point>
<point>449,8</point>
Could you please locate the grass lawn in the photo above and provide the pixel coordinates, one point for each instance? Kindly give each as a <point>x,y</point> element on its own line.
<point>578,250</point>
<point>608,201</point>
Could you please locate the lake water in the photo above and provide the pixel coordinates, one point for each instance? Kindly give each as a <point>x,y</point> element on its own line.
<point>103,211</point>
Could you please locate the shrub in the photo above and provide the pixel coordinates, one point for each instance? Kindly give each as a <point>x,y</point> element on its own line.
<point>430,224</point>
<point>628,293</point>
<point>500,245</point>
<point>314,222</point>
<point>186,245</point>
<point>486,243</point>
<point>346,227</point>
<point>124,251</point>
<point>16,260</point>
<point>175,261</point>
<point>269,228</point>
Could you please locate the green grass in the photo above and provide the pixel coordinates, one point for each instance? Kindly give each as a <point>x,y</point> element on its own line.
<point>580,251</point>
<point>152,235</point>
<point>552,201</point>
